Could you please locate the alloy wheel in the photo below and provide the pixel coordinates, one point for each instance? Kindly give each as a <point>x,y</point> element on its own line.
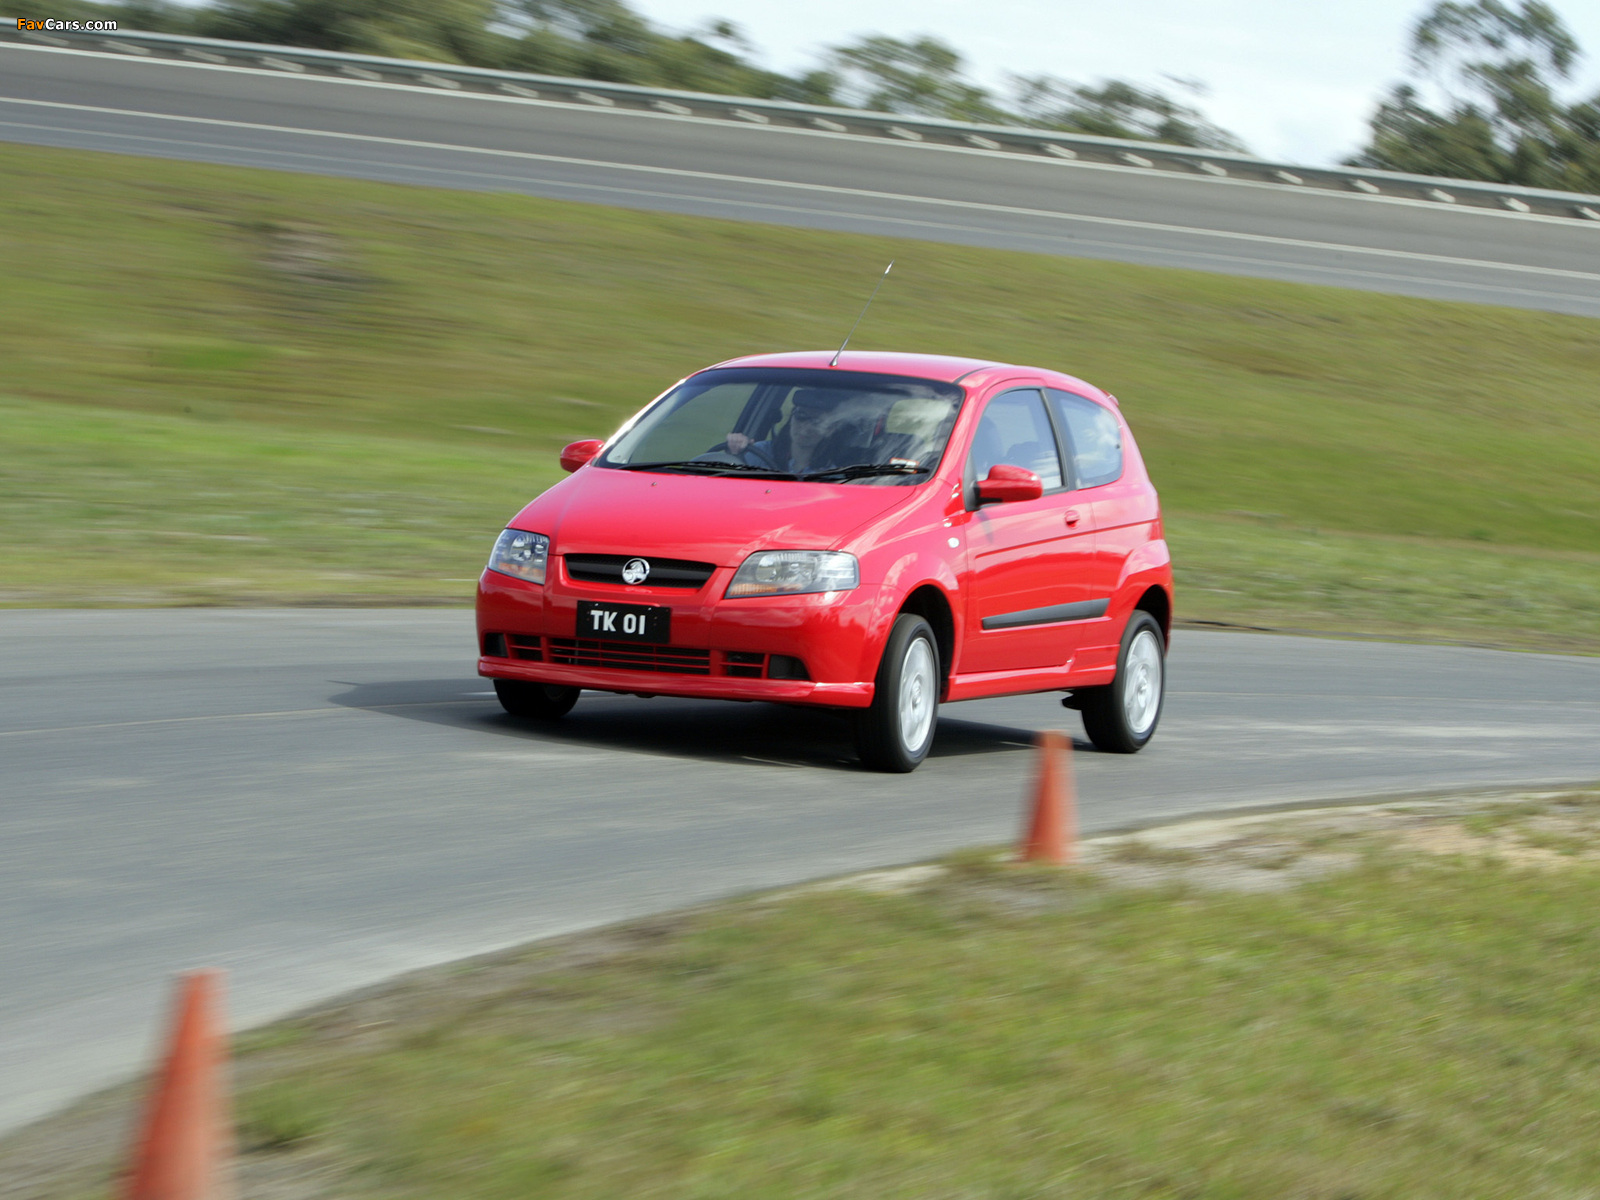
<point>1141,690</point>
<point>918,693</point>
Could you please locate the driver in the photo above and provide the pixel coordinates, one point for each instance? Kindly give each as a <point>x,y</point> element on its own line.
<point>796,446</point>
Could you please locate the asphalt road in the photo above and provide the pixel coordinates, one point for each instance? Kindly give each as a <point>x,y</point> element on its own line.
<point>318,799</point>
<point>794,177</point>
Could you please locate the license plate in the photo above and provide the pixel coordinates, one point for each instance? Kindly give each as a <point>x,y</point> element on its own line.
<point>624,622</point>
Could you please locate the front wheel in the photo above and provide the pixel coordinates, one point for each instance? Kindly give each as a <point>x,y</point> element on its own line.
<point>895,733</point>
<point>1121,718</point>
<point>546,701</point>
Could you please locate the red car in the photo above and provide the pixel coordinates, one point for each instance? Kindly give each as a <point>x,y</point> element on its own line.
<point>881,535</point>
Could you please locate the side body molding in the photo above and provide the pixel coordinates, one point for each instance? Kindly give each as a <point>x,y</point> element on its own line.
<point>1084,610</point>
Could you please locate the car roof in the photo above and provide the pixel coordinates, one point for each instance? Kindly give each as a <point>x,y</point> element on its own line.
<point>945,368</point>
<point>942,367</point>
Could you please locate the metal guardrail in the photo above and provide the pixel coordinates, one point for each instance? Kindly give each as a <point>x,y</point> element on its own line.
<point>778,114</point>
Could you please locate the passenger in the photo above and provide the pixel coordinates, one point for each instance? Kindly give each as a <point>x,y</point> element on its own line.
<point>796,447</point>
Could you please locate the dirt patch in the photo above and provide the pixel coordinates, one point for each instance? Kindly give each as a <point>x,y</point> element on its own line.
<point>1558,838</point>
<point>306,254</point>
<point>1271,852</point>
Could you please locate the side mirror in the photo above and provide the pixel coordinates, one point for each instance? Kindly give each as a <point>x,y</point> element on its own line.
<point>576,454</point>
<point>1006,482</point>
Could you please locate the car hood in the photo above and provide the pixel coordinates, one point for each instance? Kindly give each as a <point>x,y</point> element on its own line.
<point>708,519</point>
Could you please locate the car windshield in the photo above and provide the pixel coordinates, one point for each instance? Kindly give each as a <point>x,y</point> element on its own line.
<point>775,423</point>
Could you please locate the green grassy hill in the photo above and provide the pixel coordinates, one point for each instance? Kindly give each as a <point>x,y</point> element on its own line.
<point>230,385</point>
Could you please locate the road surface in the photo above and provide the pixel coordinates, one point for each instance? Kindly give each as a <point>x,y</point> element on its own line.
<point>811,178</point>
<point>318,799</point>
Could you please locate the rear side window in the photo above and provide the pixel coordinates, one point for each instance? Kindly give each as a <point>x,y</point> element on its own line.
<point>1015,430</point>
<point>1094,436</point>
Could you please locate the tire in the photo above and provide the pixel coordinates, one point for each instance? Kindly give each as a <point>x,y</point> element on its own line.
<point>544,701</point>
<point>1121,718</point>
<point>896,732</point>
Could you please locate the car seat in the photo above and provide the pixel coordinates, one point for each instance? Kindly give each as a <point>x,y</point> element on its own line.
<point>843,447</point>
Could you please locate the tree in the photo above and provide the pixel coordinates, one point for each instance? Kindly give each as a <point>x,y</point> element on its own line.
<point>607,39</point>
<point>1117,109</point>
<point>438,30</point>
<point>590,39</point>
<point>1512,36</point>
<point>156,16</point>
<point>924,77</point>
<point>1498,67</point>
<point>921,77</point>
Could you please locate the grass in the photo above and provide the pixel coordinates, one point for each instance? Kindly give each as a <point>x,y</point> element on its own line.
<point>106,506</point>
<point>1273,575</point>
<point>1376,1003</point>
<point>230,385</point>
<point>277,1118</point>
<point>1414,1027</point>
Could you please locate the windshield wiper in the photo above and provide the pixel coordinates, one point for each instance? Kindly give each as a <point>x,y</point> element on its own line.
<point>865,470</point>
<point>702,467</point>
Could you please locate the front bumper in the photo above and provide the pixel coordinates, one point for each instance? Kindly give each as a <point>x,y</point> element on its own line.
<point>723,649</point>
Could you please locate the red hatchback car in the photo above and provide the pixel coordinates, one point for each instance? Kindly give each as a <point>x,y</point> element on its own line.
<point>881,535</point>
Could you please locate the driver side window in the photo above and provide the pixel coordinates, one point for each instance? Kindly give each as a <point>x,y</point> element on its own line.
<point>1015,429</point>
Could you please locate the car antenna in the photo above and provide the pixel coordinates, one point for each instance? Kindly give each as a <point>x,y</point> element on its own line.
<point>835,360</point>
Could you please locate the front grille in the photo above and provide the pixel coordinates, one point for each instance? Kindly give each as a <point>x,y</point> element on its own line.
<point>512,645</point>
<point>664,572</point>
<point>743,664</point>
<point>782,666</point>
<point>630,656</point>
<point>670,660</point>
<point>525,646</point>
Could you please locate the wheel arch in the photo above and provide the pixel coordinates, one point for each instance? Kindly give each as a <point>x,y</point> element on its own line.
<point>930,603</point>
<point>1158,604</point>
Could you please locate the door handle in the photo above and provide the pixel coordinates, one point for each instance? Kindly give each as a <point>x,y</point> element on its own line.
<point>1072,516</point>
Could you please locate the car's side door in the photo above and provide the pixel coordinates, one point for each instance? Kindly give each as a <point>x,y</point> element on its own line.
<point>1027,560</point>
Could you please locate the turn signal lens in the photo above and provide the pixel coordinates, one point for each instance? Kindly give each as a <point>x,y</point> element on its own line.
<point>795,572</point>
<point>521,555</point>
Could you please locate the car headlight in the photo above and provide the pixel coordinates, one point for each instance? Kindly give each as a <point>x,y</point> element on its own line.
<point>521,555</point>
<point>794,572</point>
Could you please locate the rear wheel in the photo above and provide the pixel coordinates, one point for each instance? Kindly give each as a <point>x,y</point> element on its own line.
<point>1121,718</point>
<point>896,732</point>
<point>546,701</point>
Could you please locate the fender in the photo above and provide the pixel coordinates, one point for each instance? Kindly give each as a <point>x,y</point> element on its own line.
<point>911,571</point>
<point>1150,564</point>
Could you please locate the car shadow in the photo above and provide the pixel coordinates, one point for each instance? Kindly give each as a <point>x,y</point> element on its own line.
<point>707,730</point>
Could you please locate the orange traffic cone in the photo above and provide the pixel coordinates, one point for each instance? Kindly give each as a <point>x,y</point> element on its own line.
<point>185,1149</point>
<point>1053,829</point>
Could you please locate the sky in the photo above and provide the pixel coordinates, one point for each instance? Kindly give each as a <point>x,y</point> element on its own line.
<point>1297,80</point>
